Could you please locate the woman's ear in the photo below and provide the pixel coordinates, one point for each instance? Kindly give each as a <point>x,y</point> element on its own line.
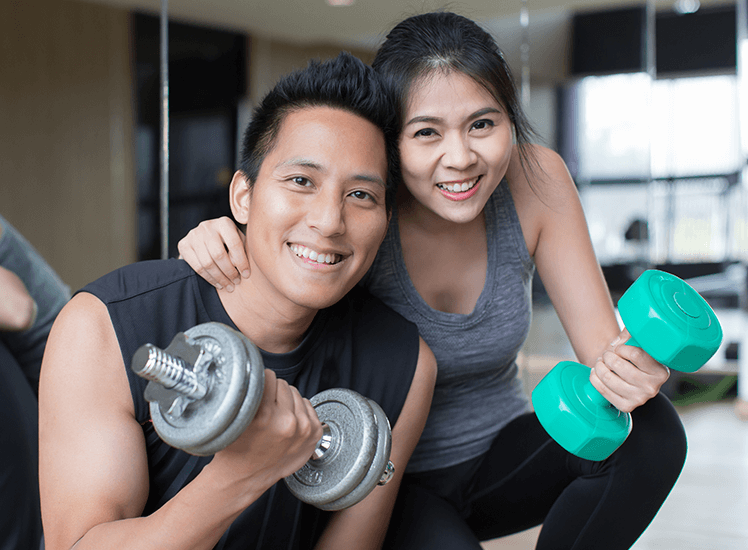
<point>239,197</point>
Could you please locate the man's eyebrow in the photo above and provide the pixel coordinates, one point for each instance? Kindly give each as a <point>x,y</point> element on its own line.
<point>307,163</point>
<point>436,120</point>
<point>370,178</point>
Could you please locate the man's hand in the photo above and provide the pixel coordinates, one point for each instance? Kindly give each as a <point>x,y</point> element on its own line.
<point>281,437</point>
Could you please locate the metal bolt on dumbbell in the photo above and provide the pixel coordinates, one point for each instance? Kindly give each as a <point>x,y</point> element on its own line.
<point>205,388</point>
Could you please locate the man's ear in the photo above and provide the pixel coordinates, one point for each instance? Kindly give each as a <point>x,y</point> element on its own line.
<point>239,197</point>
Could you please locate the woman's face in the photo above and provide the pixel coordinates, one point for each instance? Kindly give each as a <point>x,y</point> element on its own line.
<point>455,145</point>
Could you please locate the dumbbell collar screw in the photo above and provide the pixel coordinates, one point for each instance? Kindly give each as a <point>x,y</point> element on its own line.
<point>323,445</point>
<point>175,384</point>
<point>389,471</point>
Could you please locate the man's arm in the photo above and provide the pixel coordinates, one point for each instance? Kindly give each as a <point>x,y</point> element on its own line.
<point>17,307</point>
<point>93,464</point>
<point>364,525</point>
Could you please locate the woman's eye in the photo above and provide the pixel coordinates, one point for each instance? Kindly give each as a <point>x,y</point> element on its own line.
<point>300,180</point>
<point>426,132</point>
<point>483,124</point>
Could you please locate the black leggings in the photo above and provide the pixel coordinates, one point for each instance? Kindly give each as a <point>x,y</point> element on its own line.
<point>526,479</point>
<point>20,518</point>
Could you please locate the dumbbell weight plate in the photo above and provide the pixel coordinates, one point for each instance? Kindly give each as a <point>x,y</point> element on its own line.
<point>208,418</point>
<point>353,446</point>
<point>378,465</point>
<point>255,385</point>
<point>670,320</point>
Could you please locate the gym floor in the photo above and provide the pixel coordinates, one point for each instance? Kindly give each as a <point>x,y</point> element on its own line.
<point>708,507</point>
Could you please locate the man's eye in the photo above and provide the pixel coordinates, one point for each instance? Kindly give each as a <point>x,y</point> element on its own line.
<point>362,195</point>
<point>300,180</point>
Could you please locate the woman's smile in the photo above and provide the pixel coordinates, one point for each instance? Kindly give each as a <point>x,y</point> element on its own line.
<point>460,191</point>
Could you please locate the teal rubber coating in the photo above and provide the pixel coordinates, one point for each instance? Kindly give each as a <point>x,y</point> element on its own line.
<point>576,416</point>
<point>668,319</point>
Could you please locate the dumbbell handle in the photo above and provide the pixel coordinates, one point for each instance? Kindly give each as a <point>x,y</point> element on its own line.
<point>154,364</point>
<point>173,373</point>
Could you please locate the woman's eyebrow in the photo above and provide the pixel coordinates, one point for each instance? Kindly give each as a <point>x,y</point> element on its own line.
<point>435,120</point>
<point>427,119</point>
<point>486,110</point>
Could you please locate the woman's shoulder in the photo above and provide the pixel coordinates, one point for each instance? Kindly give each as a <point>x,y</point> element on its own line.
<point>534,168</point>
<point>541,187</point>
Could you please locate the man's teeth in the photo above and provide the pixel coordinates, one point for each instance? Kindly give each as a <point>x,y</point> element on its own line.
<point>304,252</point>
<point>458,187</point>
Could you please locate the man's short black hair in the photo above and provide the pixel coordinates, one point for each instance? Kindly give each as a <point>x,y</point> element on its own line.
<point>344,82</point>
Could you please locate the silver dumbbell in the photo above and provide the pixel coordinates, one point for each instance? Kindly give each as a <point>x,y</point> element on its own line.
<point>206,386</point>
<point>353,455</point>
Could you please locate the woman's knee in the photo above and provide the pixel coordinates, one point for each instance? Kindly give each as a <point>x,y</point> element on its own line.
<point>658,439</point>
<point>423,520</point>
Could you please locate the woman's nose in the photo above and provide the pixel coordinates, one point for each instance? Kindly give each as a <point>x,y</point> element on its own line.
<point>458,153</point>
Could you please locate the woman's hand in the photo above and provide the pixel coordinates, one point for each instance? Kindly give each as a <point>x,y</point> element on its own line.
<point>626,375</point>
<point>215,250</point>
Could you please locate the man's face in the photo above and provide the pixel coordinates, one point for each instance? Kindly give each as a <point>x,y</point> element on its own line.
<point>316,214</point>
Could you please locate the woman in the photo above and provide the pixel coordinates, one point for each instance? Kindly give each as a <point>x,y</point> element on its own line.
<point>479,211</point>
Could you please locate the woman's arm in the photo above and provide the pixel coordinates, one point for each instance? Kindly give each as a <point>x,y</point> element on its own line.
<point>215,250</point>
<point>93,466</point>
<point>364,525</point>
<point>557,236</point>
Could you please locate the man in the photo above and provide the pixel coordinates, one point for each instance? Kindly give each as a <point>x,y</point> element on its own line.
<point>314,191</point>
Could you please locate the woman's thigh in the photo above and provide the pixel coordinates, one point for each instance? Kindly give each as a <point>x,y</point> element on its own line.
<point>422,520</point>
<point>456,507</point>
<point>527,479</point>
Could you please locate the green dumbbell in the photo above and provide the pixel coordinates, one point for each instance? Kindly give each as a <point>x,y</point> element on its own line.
<point>666,318</point>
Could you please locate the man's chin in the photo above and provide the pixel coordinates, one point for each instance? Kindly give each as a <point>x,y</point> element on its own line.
<point>321,299</point>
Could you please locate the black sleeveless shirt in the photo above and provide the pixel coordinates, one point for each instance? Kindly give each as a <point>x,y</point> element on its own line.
<point>359,343</point>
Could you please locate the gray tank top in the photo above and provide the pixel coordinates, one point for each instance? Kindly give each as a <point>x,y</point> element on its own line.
<point>478,390</point>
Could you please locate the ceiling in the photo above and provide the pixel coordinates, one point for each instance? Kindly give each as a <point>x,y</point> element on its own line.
<point>365,23</point>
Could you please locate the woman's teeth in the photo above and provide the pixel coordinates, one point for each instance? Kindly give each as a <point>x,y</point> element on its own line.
<point>458,187</point>
<point>304,252</point>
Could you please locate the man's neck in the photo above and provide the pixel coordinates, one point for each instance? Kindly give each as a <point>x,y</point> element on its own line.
<point>273,325</point>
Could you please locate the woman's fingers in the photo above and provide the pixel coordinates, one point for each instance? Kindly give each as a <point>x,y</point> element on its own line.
<point>627,376</point>
<point>215,250</point>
